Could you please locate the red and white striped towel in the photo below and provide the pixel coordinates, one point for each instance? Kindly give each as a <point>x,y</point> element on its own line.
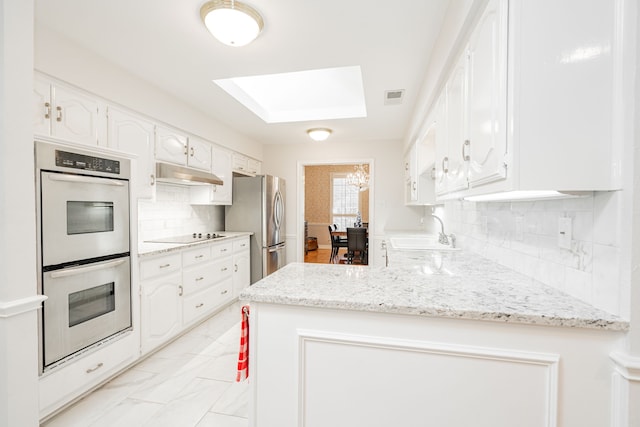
<point>243,355</point>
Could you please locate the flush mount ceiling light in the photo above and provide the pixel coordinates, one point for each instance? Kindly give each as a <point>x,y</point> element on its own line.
<point>319,134</point>
<point>231,22</point>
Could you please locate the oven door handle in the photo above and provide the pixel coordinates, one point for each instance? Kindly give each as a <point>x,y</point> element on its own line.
<point>85,269</point>
<point>85,179</point>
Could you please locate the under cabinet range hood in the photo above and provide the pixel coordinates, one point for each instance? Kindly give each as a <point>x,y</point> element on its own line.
<point>166,172</point>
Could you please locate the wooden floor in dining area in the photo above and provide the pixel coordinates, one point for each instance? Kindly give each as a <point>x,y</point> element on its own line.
<point>322,256</point>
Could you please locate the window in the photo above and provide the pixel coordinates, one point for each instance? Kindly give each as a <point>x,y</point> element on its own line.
<point>345,201</point>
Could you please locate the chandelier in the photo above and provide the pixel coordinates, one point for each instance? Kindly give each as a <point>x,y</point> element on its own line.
<point>359,178</point>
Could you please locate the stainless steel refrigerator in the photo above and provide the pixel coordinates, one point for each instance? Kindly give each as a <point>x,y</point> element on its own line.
<point>258,206</point>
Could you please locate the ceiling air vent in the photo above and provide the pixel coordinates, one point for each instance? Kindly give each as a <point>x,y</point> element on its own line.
<point>393,97</point>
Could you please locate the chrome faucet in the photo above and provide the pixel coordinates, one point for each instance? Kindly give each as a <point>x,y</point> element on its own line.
<point>442,238</point>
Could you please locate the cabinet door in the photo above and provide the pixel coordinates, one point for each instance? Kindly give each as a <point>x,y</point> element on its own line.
<point>454,164</point>
<point>42,107</point>
<point>441,145</point>
<point>199,154</point>
<point>487,97</point>
<point>171,146</point>
<point>254,166</point>
<point>241,271</point>
<point>411,195</point>
<point>161,310</point>
<point>129,133</point>
<point>222,167</point>
<point>74,116</point>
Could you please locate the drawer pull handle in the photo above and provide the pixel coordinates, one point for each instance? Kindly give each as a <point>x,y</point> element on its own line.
<point>235,267</point>
<point>200,305</point>
<point>58,114</point>
<point>223,250</point>
<point>199,256</point>
<point>224,292</point>
<point>165,265</point>
<point>47,110</point>
<point>224,269</point>
<point>180,291</point>
<point>199,279</point>
<point>95,368</point>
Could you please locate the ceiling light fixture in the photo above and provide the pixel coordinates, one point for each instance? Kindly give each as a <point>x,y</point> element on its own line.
<point>231,22</point>
<point>319,134</point>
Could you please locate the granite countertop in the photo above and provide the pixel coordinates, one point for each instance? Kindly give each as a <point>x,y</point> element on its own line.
<point>451,284</point>
<point>151,248</point>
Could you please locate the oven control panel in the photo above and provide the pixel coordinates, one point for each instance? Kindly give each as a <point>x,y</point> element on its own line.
<point>89,163</point>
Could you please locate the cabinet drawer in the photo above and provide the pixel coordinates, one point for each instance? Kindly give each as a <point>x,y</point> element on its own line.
<point>68,382</point>
<point>162,265</point>
<point>240,244</point>
<point>197,255</point>
<point>199,277</point>
<point>202,303</point>
<point>221,249</point>
<point>223,268</point>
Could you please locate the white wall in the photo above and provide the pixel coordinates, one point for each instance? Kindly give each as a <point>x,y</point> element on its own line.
<point>61,58</point>
<point>389,212</point>
<point>18,300</point>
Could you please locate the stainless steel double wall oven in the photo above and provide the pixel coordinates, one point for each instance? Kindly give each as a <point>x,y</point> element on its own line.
<point>84,263</point>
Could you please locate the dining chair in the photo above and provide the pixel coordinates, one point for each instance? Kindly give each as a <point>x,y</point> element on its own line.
<point>336,244</point>
<point>357,245</point>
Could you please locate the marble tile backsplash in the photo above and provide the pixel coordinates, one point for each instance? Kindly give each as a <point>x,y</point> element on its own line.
<point>172,215</point>
<point>524,236</point>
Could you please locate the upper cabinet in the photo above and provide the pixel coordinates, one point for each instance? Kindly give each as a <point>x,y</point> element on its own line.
<point>130,133</point>
<point>216,194</point>
<point>66,113</point>
<point>530,109</point>
<point>419,169</point>
<point>244,165</point>
<point>175,147</point>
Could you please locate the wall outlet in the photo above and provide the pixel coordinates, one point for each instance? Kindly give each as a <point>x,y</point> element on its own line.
<point>564,233</point>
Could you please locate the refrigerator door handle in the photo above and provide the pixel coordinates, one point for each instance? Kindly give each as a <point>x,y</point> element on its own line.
<point>278,209</point>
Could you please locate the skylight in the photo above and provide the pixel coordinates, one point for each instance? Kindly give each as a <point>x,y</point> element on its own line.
<point>330,93</point>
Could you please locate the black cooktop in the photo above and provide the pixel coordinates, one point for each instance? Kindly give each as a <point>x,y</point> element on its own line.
<point>187,238</point>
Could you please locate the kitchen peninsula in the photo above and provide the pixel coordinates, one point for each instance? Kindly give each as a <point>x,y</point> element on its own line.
<point>443,338</point>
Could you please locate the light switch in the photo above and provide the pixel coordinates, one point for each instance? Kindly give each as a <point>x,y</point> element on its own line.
<point>564,233</point>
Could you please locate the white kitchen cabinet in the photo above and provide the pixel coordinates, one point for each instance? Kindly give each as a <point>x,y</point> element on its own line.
<point>486,141</point>
<point>175,147</point>
<point>199,155</point>
<point>130,133</point>
<point>241,265</point>
<point>66,113</point>
<point>419,169</point>
<point>451,166</point>
<point>216,194</point>
<point>85,372</point>
<point>171,146</point>
<point>540,107</point>
<point>245,165</point>
<point>161,305</point>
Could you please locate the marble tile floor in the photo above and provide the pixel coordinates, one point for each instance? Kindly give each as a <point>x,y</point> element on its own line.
<point>189,383</point>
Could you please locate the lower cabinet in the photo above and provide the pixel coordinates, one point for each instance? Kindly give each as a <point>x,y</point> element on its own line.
<point>182,288</point>
<point>76,377</point>
<point>241,265</point>
<point>161,310</point>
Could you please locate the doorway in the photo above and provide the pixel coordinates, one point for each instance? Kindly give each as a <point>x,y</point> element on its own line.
<point>325,197</point>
